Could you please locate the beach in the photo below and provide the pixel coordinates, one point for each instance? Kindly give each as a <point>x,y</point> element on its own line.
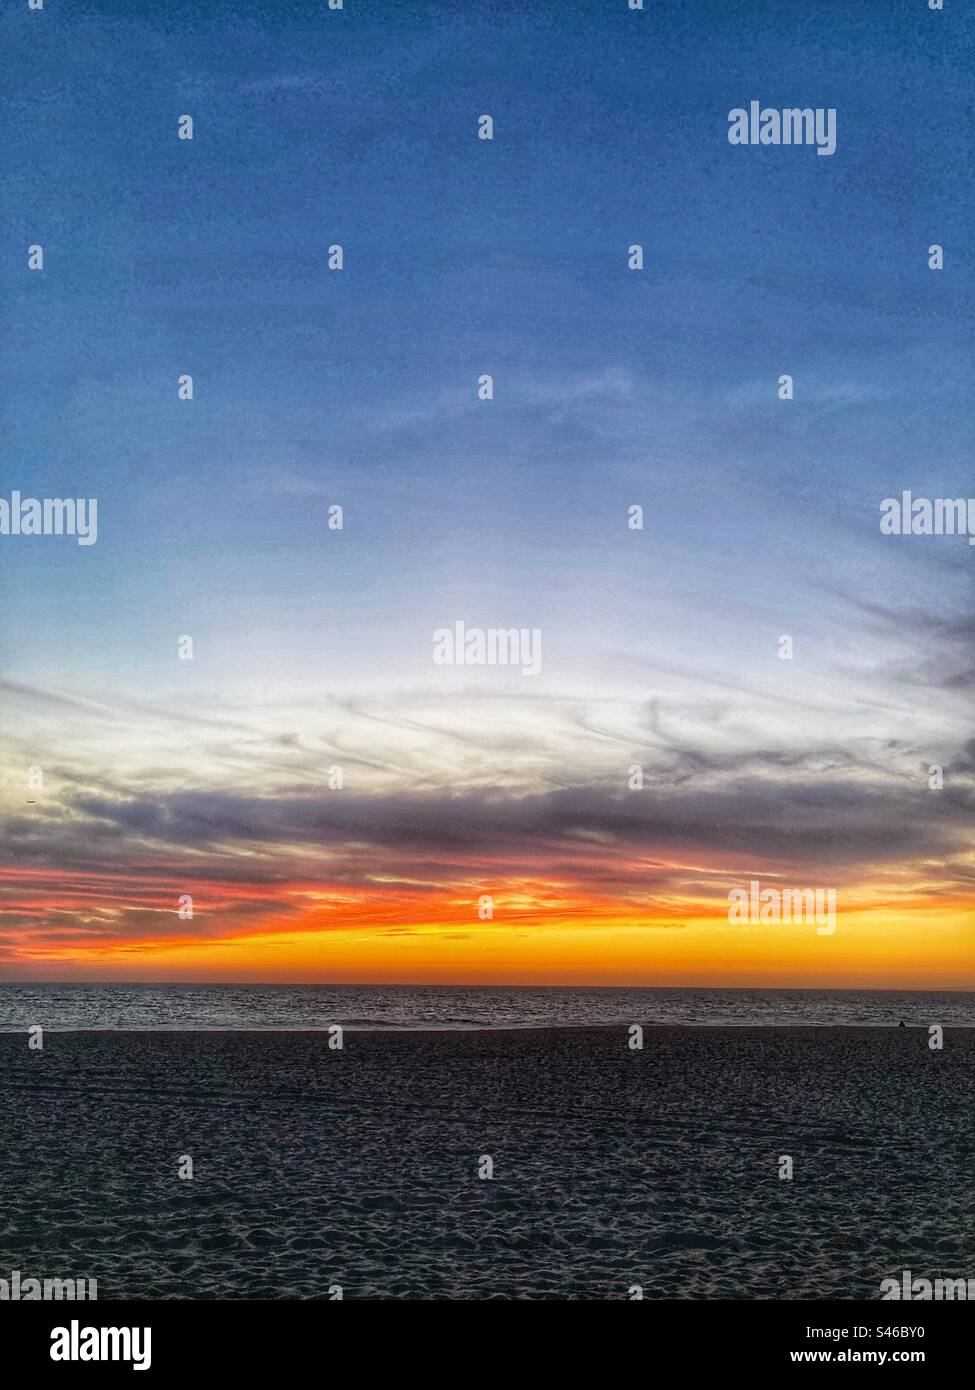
<point>316,1169</point>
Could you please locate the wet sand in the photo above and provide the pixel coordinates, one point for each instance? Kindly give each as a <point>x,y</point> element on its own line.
<point>612,1168</point>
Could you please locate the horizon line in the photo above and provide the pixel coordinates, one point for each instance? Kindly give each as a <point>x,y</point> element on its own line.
<point>462,984</point>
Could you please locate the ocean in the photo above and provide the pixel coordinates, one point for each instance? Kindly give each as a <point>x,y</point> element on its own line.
<point>257,1008</point>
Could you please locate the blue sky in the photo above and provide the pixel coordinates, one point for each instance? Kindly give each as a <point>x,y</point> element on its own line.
<point>507,257</point>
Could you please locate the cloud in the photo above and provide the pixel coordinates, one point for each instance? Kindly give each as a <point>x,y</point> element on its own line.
<point>845,820</point>
<point>237,811</point>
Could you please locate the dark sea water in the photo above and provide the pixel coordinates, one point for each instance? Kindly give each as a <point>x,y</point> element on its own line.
<point>249,1008</point>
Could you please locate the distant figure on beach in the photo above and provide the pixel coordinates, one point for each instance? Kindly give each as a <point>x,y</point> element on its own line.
<point>902,1024</point>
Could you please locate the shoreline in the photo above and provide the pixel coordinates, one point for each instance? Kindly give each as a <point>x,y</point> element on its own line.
<point>553,1029</point>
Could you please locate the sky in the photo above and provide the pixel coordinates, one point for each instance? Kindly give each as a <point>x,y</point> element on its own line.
<point>613,388</point>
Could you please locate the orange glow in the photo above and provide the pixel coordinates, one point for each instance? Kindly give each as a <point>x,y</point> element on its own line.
<point>97,928</point>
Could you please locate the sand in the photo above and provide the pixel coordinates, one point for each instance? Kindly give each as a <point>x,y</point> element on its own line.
<point>612,1168</point>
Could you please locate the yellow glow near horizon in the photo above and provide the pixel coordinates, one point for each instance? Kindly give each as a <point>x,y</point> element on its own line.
<point>923,947</point>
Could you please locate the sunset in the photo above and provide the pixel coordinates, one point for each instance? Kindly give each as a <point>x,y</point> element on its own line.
<point>487,664</point>
<point>586,830</point>
<point>509,837</point>
<point>548,936</point>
